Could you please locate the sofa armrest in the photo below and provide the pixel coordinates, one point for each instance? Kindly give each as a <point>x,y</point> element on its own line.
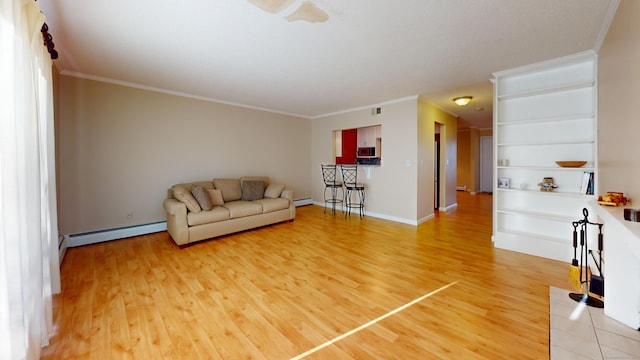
<point>174,207</point>
<point>177,220</point>
<point>287,194</point>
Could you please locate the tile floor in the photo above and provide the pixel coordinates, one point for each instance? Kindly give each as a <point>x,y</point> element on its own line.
<point>592,336</point>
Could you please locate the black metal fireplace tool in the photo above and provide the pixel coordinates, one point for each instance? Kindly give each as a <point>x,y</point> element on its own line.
<point>593,283</point>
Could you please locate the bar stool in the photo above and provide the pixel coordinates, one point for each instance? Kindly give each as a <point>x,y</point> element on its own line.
<point>350,178</point>
<point>329,173</point>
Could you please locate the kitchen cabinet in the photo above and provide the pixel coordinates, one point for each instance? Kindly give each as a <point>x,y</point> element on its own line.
<point>367,135</point>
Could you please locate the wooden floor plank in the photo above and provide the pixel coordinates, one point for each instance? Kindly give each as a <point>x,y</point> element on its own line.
<point>279,291</point>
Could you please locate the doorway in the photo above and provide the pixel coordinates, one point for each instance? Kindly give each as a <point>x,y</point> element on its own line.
<point>436,170</point>
<point>486,164</point>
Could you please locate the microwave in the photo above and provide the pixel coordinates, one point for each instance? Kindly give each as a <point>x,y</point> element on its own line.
<point>366,151</point>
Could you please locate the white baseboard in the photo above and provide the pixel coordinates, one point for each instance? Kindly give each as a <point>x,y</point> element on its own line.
<point>396,219</point>
<point>426,218</point>
<point>94,237</point>
<point>380,216</point>
<point>302,202</point>
<point>449,208</point>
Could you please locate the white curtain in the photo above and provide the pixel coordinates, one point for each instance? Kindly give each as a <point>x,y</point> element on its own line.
<point>28,218</point>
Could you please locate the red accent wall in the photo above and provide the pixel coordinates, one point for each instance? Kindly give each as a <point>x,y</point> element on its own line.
<point>349,145</point>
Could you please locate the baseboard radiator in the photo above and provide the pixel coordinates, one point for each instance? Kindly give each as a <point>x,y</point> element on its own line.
<point>93,237</point>
<point>302,202</point>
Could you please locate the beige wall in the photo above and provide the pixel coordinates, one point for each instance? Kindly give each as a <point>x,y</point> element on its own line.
<point>618,119</point>
<point>120,148</point>
<point>390,188</point>
<point>402,188</point>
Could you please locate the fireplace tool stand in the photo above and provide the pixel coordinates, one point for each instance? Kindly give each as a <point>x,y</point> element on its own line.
<point>584,262</point>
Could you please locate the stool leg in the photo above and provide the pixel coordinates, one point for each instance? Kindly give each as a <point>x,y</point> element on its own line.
<point>347,202</point>
<point>334,194</point>
<point>325,200</point>
<point>333,199</point>
<point>361,203</point>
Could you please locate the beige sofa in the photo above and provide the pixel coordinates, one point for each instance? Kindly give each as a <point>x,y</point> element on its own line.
<point>206,209</point>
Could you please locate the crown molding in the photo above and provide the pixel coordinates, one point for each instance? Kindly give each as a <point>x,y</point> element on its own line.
<point>175,93</point>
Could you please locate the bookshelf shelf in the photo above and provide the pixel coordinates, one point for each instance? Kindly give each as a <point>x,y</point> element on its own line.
<point>544,113</point>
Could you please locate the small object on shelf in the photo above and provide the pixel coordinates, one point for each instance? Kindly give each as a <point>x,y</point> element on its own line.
<point>571,164</point>
<point>587,183</point>
<point>612,198</point>
<point>632,215</point>
<point>503,183</point>
<point>547,184</point>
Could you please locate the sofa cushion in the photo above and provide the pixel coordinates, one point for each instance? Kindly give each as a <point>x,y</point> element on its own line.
<point>202,197</point>
<point>252,189</point>
<point>215,195</point>
<point>218,213</point>
<point>243,208</point>
<point>273,191</point>
<point>269,205</point>
<point>182,194</point>
<point>230,189</point>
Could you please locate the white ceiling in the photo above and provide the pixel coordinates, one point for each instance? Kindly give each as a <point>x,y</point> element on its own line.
<point>280,55</point>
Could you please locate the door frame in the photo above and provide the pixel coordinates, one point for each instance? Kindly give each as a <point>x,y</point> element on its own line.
<point>437,170</point>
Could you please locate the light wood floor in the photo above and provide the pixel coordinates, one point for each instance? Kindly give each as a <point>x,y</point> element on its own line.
<point>279,291</point>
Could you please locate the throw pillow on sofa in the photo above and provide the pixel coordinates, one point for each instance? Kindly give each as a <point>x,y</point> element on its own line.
<point>215,195</point>
<point>202,197</point>
<point>230,189</point>
<point>273,191</point>
<point>252,190</point>
<point>183,195</point>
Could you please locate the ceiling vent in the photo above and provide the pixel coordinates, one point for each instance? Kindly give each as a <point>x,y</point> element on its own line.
<point>376,111</point>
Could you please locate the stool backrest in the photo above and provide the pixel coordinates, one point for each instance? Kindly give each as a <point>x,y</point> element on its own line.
<point>349,174</point>
<point>329,174</point>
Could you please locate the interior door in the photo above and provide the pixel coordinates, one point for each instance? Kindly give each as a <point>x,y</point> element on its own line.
<point>486,164</point>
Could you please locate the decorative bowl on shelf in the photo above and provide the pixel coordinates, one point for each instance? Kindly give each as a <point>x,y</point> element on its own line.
<point>574,164</point>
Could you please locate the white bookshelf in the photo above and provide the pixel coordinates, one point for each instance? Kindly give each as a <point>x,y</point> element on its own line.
<point>543,113</point>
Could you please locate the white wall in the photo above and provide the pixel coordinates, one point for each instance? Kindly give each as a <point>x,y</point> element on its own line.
<point>619,164</point>
<point>618,119</point>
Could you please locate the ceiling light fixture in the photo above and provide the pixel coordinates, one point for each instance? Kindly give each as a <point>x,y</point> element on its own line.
<point>462,100</point>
